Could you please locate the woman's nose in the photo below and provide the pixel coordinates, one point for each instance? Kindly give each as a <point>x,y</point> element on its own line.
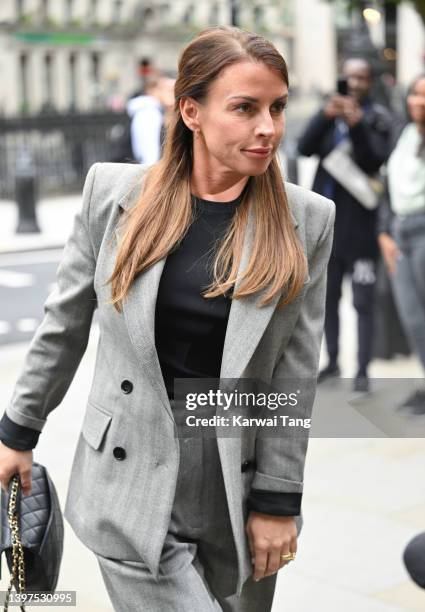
<point>266,126</point>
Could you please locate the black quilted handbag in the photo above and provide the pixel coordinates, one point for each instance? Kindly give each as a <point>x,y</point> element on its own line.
<point>32,534</point>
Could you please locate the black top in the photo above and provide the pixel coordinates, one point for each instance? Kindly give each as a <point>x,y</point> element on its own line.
<point>185,324</point>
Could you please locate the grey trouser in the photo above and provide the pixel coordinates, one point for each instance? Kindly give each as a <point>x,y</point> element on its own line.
<point>409,280</point>
<point>198,566</point>
<point>363,280</point>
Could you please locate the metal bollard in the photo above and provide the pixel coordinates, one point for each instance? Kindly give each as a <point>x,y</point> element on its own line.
<point>26,194</point>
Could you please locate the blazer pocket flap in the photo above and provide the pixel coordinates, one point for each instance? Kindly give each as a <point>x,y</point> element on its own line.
<point>95,424</point>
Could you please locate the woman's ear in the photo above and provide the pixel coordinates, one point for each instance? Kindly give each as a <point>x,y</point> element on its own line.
<point>189,110</point>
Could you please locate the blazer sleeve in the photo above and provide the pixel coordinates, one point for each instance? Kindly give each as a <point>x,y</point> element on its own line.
<point>61,339</point>
<point>17,436</point>
<point>280,460</point>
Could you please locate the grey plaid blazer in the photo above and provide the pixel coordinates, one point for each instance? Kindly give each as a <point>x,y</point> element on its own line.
<point>122,509</point>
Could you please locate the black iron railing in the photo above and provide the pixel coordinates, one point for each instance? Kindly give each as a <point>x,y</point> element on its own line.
<point>59,148</point>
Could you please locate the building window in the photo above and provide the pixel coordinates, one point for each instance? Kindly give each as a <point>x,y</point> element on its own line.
<point>116,17</point>
<point>164,11</point>
<point>95,66</point>
<point>68,10</point>
<point>23,77</point>
<point>148,14</point>
<point>234,12</point>
<point>188,14</point>
<point>213,18</point>
<point>44,10</point>
<point>258,16</point>
<point>95,79</point>
<point>19,8</point>
<point>92,16</point>
<point>72,82</point>
<point>48,83</point>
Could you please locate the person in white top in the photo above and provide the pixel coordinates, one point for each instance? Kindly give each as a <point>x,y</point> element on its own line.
<point>402,235</point>
<point>148,114</point>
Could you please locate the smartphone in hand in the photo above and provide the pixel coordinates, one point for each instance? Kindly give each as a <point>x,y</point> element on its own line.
<point>342,86</point>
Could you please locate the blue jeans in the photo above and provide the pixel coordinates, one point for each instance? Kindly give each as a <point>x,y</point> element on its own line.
<point>408,281</point>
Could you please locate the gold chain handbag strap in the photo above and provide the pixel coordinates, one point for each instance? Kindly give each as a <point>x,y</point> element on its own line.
<point>18,567</point>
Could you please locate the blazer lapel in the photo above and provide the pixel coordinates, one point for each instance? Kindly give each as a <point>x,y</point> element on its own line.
<point>139,313</point>
<point>245,327</point>
<point>247,322</point>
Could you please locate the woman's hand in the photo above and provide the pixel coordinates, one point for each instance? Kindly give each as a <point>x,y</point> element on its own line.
<point>270,537</point>
<point>15,462</point>
<point>390,252</point>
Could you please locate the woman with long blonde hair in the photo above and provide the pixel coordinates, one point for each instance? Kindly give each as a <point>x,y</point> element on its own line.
<point>205,265</point>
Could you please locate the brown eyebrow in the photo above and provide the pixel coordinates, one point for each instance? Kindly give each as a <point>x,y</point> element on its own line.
<point>250,99</point>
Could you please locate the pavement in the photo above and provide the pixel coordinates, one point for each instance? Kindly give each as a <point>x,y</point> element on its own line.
<point>364,497</point>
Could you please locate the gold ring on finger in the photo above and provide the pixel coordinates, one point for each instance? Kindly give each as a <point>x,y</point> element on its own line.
<point>288,557</point>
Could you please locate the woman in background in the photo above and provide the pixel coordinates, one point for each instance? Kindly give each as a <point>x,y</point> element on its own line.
<point>402,228</point>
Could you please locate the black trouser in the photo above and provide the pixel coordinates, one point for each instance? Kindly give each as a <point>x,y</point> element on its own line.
<point>363,273</point>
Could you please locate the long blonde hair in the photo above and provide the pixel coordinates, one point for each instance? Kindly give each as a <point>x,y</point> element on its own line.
<point>163,213</point>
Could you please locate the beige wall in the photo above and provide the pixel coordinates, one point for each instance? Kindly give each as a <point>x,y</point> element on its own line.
<point>411,44</point>
<point>315,50</point>
<point>9,94</point>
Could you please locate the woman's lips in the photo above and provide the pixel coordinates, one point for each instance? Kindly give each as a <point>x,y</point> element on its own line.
<point>257,152</point>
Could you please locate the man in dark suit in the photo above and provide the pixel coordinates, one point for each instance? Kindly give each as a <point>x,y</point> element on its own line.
<point>356,119</point>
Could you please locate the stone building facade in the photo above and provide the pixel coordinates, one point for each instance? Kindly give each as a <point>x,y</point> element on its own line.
<point>83,54</point>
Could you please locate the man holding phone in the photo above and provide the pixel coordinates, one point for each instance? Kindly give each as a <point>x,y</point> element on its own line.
<point>360,129</point>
